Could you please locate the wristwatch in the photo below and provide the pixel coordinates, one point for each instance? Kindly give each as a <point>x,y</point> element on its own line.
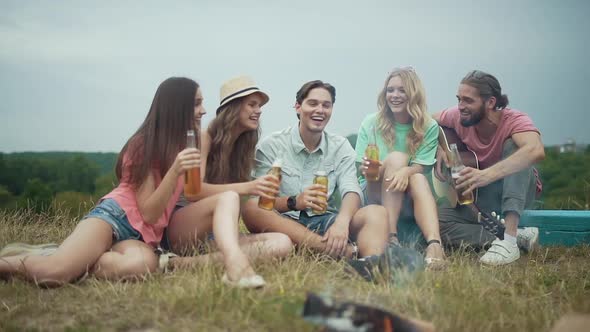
<point>292,203</point>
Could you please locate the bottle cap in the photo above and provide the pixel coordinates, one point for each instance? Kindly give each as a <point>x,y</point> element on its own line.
<point>277,163</point>
<point>320,173</point>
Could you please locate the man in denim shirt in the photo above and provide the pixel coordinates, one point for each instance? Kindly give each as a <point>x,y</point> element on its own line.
<point>304,149</point>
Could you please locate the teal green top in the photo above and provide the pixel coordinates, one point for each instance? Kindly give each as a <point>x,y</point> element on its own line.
<point>425,154</point>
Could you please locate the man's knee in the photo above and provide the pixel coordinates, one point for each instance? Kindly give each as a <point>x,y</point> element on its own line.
<point>374,216</point>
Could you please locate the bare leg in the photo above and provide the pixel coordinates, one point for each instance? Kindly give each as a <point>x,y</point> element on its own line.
<point>75,256</point>
<point>258,247</point>
<point>266,246</point>
<point>392,201</point>
<point>259,221</point>
<point>218,213</point>
<point>128,260</point>
<point>426,214</point>
<point>370,229</point>
<point>512,219</point>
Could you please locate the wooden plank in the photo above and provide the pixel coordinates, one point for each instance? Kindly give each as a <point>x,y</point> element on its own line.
<point>553,238</point>
<point>557,220</point>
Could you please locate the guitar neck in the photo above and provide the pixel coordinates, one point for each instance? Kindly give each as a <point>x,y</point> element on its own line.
<point>448,136</point>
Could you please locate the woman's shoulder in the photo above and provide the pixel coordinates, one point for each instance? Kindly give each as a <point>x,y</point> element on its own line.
<point>430,124</point>
<point>370,118</point>
<point>369,121</point>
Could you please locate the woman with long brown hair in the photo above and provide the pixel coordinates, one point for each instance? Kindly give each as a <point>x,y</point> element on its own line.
<point>118,238</point>
<point>228,146</point>
<point>406,136</point>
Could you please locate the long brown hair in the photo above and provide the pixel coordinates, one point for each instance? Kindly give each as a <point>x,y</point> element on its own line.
<point>230,159</point>
<point>416,107</point>
<point>163,132</point>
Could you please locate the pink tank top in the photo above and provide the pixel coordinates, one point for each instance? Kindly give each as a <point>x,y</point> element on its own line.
<point>126,197</point>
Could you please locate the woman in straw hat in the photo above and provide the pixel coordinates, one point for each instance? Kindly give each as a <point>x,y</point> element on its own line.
<point>116,240</point>
<point>228,146</point>
<point>407,140</point>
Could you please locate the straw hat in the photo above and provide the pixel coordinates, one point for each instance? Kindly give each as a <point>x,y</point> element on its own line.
<point>238,87</point>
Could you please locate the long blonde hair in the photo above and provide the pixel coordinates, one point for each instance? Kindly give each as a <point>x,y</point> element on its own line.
<point>416,108</point>
<point>230,159</point>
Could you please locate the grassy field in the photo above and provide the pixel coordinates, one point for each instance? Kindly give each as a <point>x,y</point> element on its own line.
<point>529,295</point>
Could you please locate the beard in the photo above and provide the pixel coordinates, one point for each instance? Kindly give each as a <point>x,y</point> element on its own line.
<point>475,117</point>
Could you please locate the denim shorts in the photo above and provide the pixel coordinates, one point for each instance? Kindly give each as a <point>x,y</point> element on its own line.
<point>318,224</point>
<point>110,211</point>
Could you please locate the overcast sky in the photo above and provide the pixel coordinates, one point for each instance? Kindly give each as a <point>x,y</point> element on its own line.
<point>80,75</point>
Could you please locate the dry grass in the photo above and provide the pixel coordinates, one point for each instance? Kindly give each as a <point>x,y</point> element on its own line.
<point>529,295</point>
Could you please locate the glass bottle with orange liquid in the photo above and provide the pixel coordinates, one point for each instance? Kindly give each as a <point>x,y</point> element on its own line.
<point>321,177</point>
<point>372,155</point>
<point>456,167</point>
<point>192,178</point>
<point>269,203</point>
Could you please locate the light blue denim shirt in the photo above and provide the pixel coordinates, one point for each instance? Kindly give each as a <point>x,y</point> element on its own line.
<point>334,155</point>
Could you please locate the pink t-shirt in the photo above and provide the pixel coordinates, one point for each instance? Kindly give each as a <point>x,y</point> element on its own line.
<point>126,197</point>
<point>512,122</point>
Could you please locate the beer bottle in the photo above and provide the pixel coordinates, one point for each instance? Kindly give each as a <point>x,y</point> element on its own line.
<point>456,167</point>
<point>321,177</point>
<point>372,155</point>
<point>192,178</point>
<point>269,203</point>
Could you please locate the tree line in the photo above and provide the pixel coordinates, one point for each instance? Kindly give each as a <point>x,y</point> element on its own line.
<point>49,180</point>
<point>42,180</point>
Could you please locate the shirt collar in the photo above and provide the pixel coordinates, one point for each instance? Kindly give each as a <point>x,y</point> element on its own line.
<point>299,146</point>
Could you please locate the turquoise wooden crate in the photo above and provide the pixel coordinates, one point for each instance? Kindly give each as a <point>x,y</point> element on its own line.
<point>559,227</point>
<point>556,227</point>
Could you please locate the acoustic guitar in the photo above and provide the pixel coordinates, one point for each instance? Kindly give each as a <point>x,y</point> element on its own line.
<point>446,190</point>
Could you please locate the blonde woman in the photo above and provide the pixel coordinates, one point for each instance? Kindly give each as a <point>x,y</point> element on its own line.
<point>407,140</point>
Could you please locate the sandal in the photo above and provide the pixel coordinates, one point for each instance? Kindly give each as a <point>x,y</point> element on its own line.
<point>435,263</point>
<point>164,259</point>
<point>255,281</point>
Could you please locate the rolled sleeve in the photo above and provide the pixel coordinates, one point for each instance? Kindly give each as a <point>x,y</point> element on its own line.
<point>264,159</point>
<point>426,153</point>
<point>362,141</point>
<point>346,173</point>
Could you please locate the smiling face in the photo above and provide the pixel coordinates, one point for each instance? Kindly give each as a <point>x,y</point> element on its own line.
<point>471,106</point>
<point>396,96</point>
<point>199,108</point>
<point>250,111</point>
<point>315,110</point>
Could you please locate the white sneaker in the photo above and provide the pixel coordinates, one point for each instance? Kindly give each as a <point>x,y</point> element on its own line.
<point>501,252</point>
<point>527,238</point>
